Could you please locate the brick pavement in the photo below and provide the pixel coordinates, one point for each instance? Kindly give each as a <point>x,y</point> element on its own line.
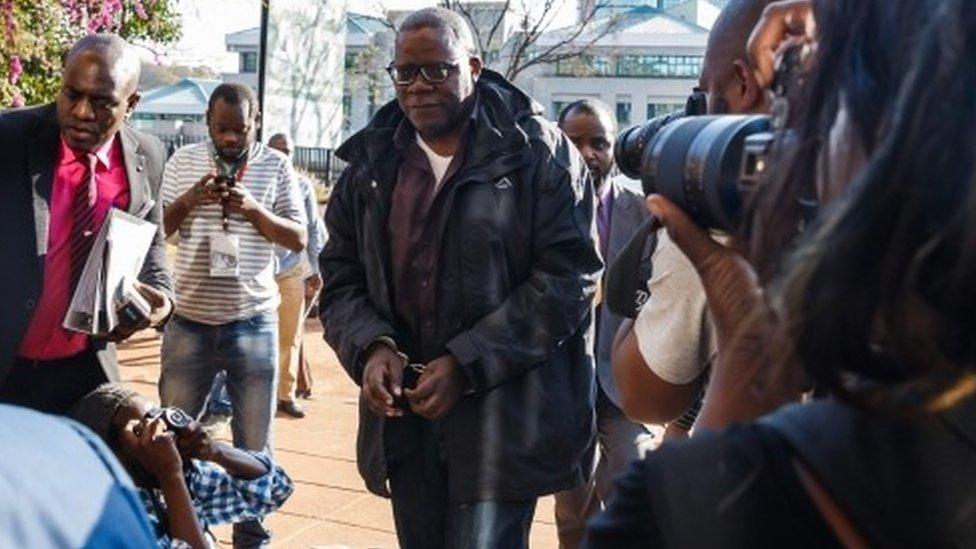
<point>330,507</point>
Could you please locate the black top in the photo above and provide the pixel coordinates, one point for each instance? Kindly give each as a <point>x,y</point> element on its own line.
<point>902,481</point>
<point>736,489</point>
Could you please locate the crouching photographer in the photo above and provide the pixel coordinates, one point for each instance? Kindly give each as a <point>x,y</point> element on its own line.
<point>187,481</point>
<point>872,302</point>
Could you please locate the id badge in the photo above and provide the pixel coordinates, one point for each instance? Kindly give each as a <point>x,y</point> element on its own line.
<point>225,253</point>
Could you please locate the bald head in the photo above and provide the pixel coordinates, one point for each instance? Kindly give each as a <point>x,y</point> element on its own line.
<point>724,73</point>
<point>281,142</point>
<point>98,90</point>
<point>119,58</point>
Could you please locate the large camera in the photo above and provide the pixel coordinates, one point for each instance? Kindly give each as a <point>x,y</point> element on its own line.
<point>708,165</point>
<point>704,164</point>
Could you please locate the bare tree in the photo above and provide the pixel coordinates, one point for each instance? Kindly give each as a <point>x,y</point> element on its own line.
<point>525,47</point>
<point>302,68</point>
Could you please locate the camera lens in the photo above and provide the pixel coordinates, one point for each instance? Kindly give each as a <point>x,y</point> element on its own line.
<point>628,150</point>
<point>697,162</point>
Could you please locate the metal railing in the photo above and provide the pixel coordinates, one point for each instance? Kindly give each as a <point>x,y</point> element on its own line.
<point>319,162</point>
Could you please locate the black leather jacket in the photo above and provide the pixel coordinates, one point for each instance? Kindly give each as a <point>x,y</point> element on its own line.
<point>517,273</point>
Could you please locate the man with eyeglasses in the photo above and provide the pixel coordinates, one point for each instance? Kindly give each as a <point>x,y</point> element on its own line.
<point>458,285</point>
<point>231,199</point>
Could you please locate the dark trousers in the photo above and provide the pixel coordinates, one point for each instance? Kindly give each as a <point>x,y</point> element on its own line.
<point>426,518</point>
<point>52,386</point>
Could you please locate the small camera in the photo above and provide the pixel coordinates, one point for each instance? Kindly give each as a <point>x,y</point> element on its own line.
<point>132,310</point>
<point>176,420</point>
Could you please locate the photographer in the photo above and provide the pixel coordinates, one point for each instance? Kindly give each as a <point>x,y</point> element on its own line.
<point>661,359</point>
<point>187,481</point>
<point>232,200</point>
<point>874,304</point>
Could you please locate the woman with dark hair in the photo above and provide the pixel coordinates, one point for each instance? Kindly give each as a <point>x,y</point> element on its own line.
<point>875,305</point>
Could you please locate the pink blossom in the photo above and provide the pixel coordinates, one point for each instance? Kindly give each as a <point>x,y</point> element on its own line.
<point>17,100</point>
<point>16,69</point>
<point>10,25</point>
<point>140,9</point>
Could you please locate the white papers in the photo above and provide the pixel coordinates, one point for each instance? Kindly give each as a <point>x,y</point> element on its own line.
<point>114,263</point>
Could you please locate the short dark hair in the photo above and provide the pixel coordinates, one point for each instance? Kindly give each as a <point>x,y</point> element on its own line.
<point>234,93</point>
<point>594,107</point>
<point>97,409</point>
<point>454,26</point>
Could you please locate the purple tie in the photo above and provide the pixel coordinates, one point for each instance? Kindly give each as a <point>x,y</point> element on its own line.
<point>83,215</point>
<point>603,222</point>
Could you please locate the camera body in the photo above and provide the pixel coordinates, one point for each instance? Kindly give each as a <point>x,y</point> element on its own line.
<point>176,420</point>
<point>131,309</point>
<point>709,164</point>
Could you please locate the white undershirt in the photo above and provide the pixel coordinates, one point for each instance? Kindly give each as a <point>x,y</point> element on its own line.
<point>438,163</point>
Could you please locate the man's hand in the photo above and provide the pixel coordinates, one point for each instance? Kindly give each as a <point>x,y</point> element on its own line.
<point>312,286</point>
<point>438,389</point>
<point>160,309</point>
<point>382,380</point>
<point>237,199</point>
<point>193,442</point>
<point>744,383</point>
<point>158,301</point>
<point>782,24</point>
<point>153,447</point>
<point>203,192</point>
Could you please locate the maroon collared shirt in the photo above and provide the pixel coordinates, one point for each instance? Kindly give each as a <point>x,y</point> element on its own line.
<point>414,224</point>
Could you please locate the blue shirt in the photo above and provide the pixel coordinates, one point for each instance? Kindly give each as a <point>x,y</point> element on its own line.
<point>287,259</point>
<point>219,498</point>
<point>60,486</point>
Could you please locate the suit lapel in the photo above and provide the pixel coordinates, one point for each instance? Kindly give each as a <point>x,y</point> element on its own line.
<point>624,219</point>
<point>42,154</point>
<point>135,171</point>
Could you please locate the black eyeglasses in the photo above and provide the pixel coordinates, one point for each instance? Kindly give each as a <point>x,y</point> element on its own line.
<point>434,73</point>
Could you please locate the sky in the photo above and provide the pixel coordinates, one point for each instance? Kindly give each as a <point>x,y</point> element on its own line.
<point>205,22</point>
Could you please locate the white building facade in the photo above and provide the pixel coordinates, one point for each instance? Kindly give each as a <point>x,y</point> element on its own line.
<point>646,67</point>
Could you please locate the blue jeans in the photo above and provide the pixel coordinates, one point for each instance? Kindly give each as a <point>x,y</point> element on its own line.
<point>218,401</point>
<point>247,350</point>
<point>426,518</point>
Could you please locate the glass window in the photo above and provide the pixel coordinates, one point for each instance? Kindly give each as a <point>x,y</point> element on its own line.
<point>249,62</point>
<point>557,107</point>
<point>623,113</point>
<point>585,65</point>
<point>346,112</point>
<point>659,66</point>
<point>658,109</point>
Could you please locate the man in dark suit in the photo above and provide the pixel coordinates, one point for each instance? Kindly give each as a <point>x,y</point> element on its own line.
<point>620,211</point>
<point>65,165</point>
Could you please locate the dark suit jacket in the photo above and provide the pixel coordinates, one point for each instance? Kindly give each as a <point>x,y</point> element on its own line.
<point>627,215</point>
<point>28,154</point>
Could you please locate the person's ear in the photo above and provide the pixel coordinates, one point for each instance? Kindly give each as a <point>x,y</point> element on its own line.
<point>476,66</point>
<point>749,96</point>
<point>131,103</point>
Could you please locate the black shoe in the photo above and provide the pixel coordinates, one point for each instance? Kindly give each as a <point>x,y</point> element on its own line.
<point>291,408</point>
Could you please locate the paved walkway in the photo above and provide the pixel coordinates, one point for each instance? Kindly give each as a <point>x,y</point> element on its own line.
<point>330,507</point>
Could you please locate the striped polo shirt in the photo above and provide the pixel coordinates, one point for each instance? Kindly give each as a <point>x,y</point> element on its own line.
<point>212,300</point>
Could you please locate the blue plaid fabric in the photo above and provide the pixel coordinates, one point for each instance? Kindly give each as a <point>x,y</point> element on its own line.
<point>219,498</point>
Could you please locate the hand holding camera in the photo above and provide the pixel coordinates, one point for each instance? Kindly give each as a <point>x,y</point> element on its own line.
<point>237,199</point>
<point>203,192</point>
<point>153,446</point>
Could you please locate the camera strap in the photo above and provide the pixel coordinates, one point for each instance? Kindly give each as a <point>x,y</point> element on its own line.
<point>625,279</point>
